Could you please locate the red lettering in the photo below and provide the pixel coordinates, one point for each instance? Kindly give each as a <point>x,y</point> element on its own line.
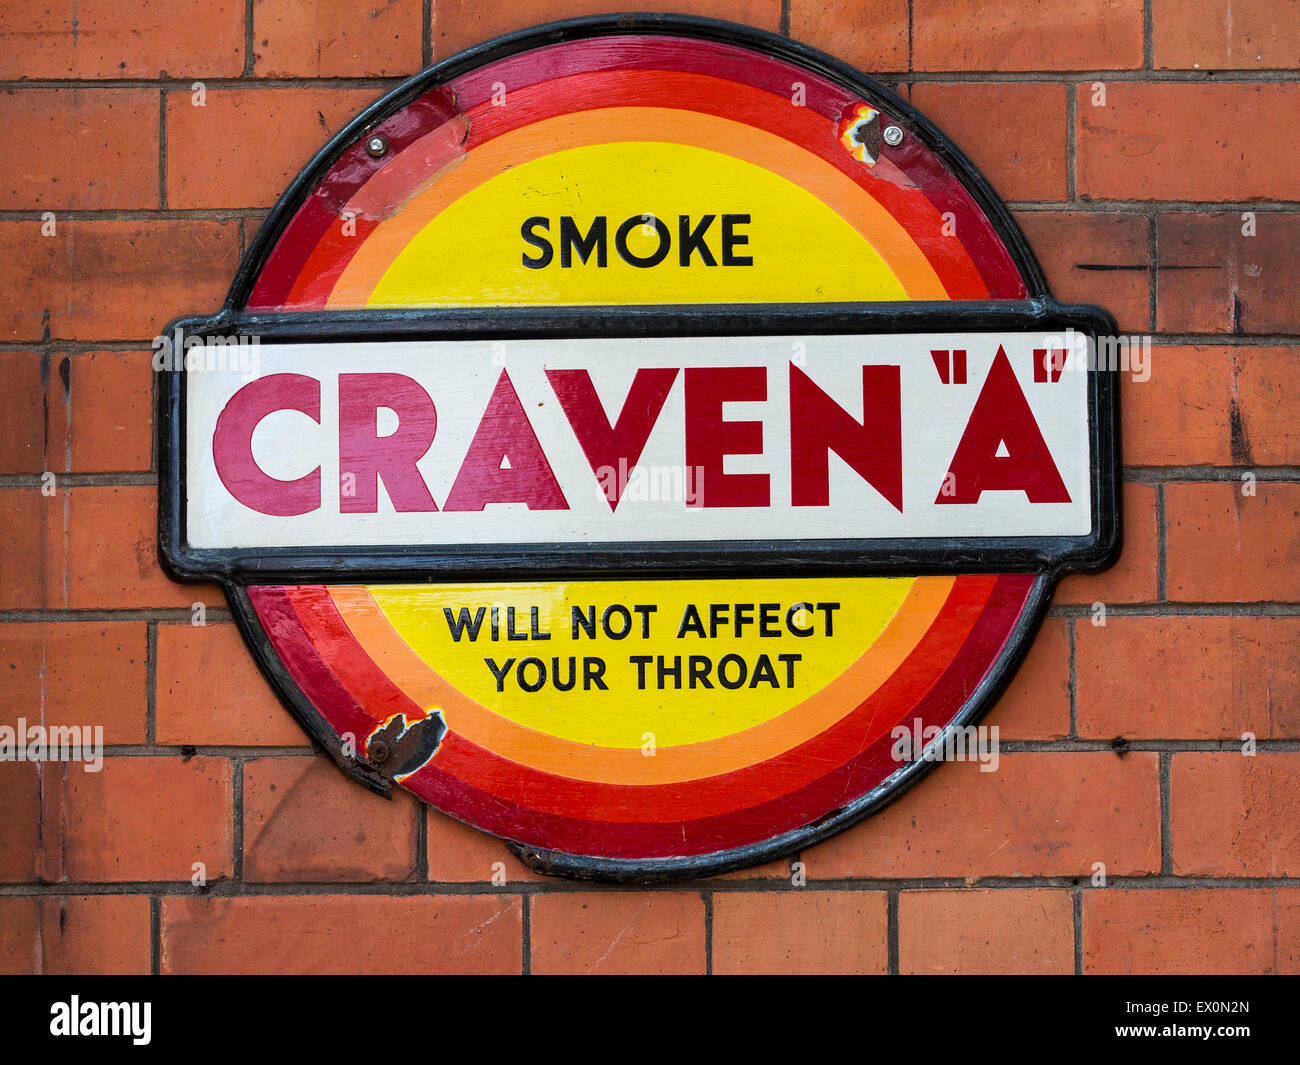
<point>709,439</point>
<point>365,457</point>
<point>603,444</point>
<point>1002,419</point>
<point>505,463</point>
<point>232,445</point>
<point>819,425</point>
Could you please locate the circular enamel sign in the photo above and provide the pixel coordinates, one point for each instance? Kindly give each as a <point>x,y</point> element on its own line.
<point>645,440</point>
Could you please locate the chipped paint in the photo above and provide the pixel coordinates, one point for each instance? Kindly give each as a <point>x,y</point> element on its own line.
<point>860,134</point>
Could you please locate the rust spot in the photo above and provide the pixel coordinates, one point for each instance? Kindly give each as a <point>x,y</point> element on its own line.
<point>400,749</point>
<point>860,134</point>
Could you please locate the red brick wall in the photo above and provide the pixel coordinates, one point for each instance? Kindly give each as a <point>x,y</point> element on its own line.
<point>1136,203</point>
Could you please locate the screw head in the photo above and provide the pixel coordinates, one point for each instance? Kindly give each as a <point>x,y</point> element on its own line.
<point>379,751</point>
<point>893,136</point>
<point>377,146</point>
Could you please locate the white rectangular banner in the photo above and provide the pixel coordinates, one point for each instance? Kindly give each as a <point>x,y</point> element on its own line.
<point>627,441</point>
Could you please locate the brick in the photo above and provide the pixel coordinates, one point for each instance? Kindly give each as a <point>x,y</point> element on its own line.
<point>103,279</point>
<point>211,693</point>
<point>304,820</point>
<point>1093,257</point>
<point>1224,546</point>
<point>1232,815</point>
<point>20,822</point>
<point>1189,678</point>
<point>99,149</point>
<point>445,934</point>
<point>1214,279</point>
<point>1263,387</point>
<point>101,412</point>
<point>22,421</point>
<point>1026,35</point>
<point>51,859</point>
<point>1036,704</point>
<point>459,854</point>
<point>22,548</point>
<point>800,932</point>
<point>20,936</point>
<point>1014,133</point>
<point>1181,141</point>
<point>986,932</point>
<point>1132,579</point>
<point>1174,418</point>
<point>1186,413</point>
<point>122,39</point>
<point>871,35</point>
<point>1191,931</point>
<point>75,673</point>
<point>337,38</point>
<point>253,222</point>
<point>1039,814</point>
<point>95,934</point>
<point>781,869</point>
<point>149,819</point>
<point>457,24</point>
<point>34,279</point>
<point>245,145</point>
<point>1214,35</point>
<point>617,932</point>
<point>108,539</point>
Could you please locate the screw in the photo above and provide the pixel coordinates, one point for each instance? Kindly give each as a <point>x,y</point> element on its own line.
<point>377,147</point>
<point>893,136</point>
<point>379,751</point>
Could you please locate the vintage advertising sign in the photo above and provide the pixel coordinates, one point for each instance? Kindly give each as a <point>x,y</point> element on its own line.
<point>619,431</point>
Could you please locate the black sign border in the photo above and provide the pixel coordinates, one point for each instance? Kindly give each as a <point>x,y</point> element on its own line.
<point>1039,305</point>
<point>704,558</point>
